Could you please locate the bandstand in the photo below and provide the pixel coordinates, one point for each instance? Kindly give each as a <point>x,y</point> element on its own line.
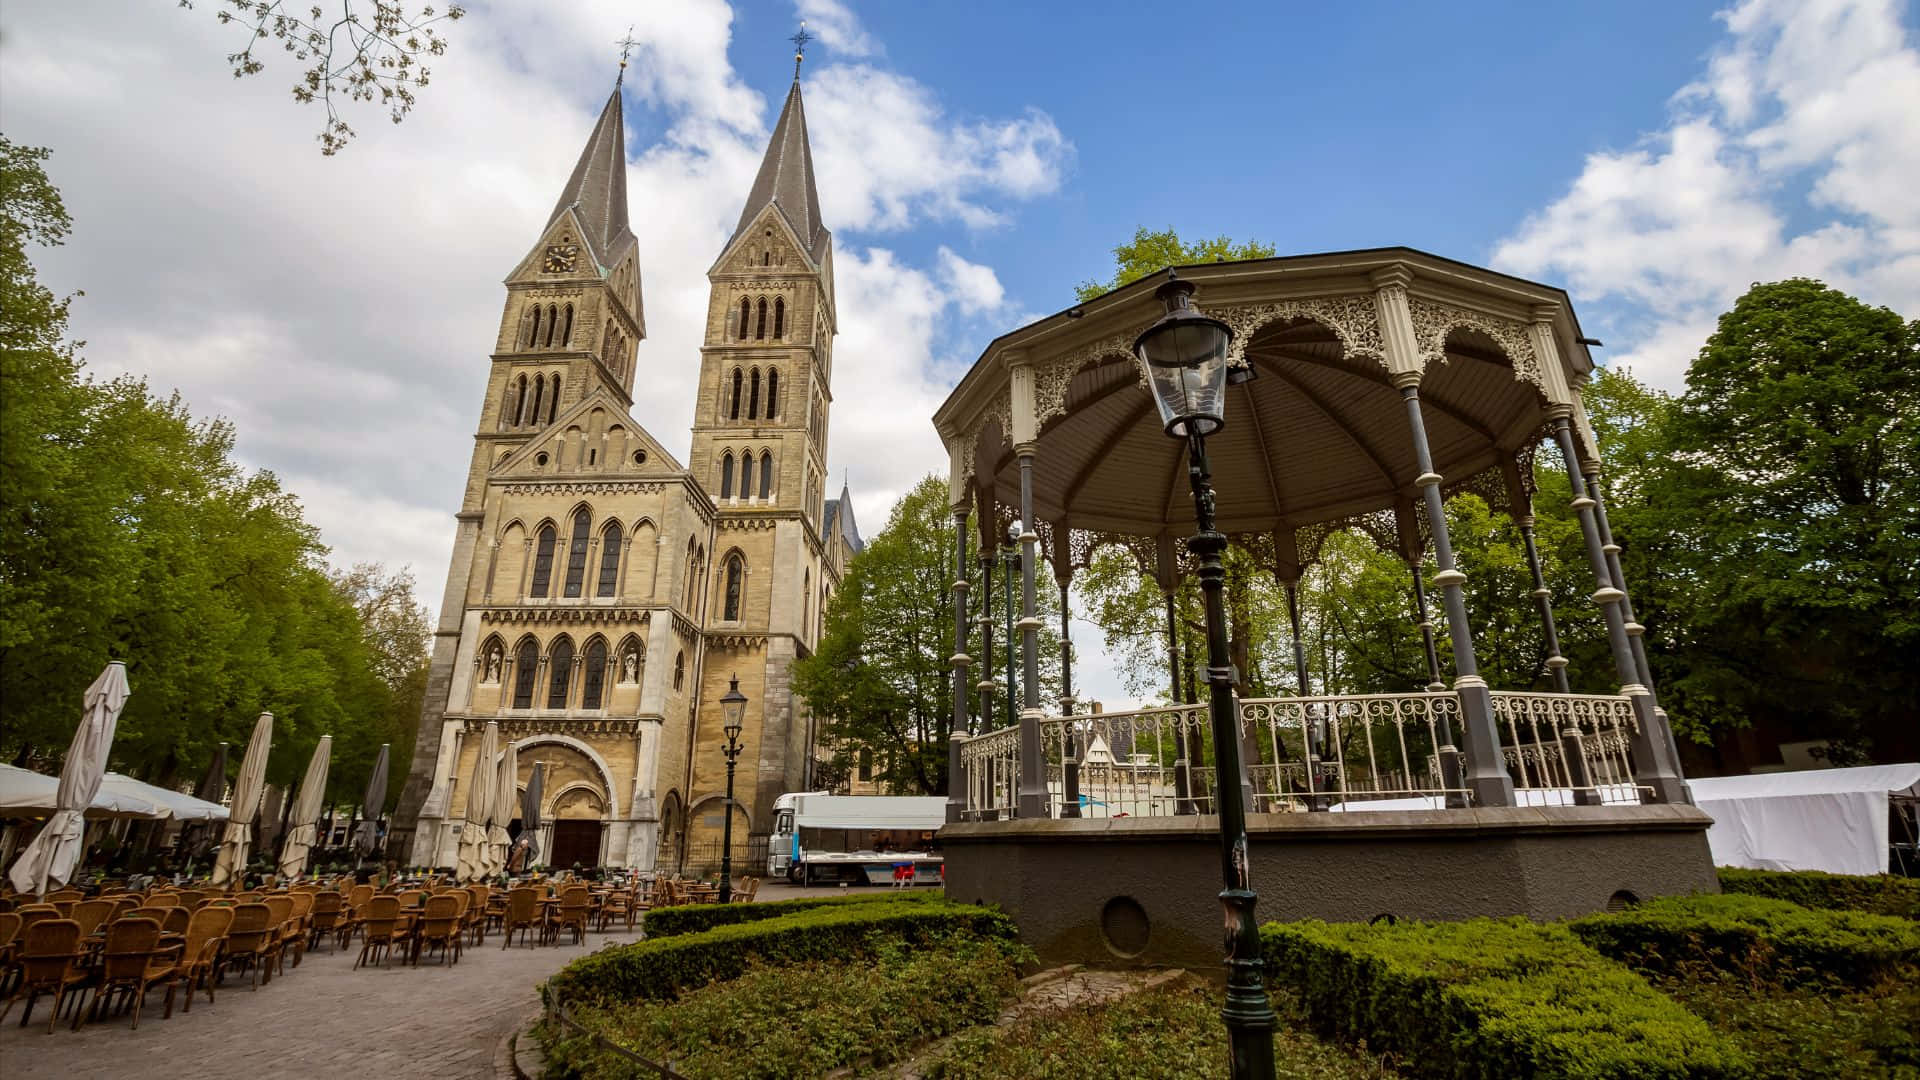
<point>1365,389</point>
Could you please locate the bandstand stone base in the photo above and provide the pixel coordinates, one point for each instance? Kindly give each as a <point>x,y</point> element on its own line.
<point>1143,891</point>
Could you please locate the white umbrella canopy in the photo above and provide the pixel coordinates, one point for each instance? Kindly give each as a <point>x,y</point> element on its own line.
<point>505,795</point>
<point>169,803</point>
<point>472,859</point>
<point>49,860</point>
<point>247,790</point>
<point>306,811</point>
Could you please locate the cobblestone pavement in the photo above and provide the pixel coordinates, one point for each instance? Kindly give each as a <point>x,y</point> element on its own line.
<point>320,1019</point>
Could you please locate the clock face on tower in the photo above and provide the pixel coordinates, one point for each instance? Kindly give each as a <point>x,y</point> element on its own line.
<point>561,259</point>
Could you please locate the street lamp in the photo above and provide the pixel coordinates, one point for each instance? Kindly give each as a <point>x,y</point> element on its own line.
<point>733,705</point>
<point>1185,358</point>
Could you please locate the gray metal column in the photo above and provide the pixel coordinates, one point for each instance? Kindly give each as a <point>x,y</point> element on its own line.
<point>1070,759</point>
<point>1486,774</point>
<point>1653,768</point>
<point>1033,766</point>
<point>1636,633</point>
<point>1543,601</point>
<point>1425,624</point>
<point>956,788</point>
<point>985,685</point>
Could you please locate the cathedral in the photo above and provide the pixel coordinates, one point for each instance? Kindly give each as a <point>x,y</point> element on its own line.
<point>603,596</point>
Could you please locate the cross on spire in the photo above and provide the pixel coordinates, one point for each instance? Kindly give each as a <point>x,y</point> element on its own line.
<point>626,49</point>
<point>800,48</point>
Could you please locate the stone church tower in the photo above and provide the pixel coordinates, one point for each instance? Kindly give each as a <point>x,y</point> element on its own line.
<point>601,595</point>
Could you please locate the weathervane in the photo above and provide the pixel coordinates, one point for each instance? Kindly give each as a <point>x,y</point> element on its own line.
<point>800,48</point>
<point>626,49</point>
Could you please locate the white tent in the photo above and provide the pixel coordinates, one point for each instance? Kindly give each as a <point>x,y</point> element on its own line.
<point>1816,819</point>
<point>50,859</point>
<point>29,794</point>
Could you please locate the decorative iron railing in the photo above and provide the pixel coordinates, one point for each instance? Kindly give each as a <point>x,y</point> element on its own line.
<point>1338,752</point>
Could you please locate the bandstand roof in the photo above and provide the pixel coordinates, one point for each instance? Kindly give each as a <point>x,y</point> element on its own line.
<point>1319,435</point>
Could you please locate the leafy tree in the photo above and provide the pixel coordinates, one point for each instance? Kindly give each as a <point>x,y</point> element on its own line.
<point>354,50</point>
<point>1150,251</point>
<point>881,680</point>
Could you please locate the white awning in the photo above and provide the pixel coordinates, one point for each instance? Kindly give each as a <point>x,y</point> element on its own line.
<point>1813,819</point>
<point>179,806</point>
<point>923,812</point>
<point>23,791</point>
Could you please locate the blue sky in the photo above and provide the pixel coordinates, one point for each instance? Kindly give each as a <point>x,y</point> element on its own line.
<point>976,162</point>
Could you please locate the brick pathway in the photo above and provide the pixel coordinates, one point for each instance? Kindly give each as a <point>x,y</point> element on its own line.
<point>321,1019</point>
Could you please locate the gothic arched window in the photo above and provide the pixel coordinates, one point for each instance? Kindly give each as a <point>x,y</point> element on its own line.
<point>533,335</point>
<point>543,562</point>
<point>746,474</point>
<point>526,665</point>
<point>736,574</point>
<point>566,333</point>
<point>779,318</point>
<point>609,559</point>
<point>577,552</point>
<point>553,400</point>
<point>593,673</point>
<point>760,324</point>
<point>753,395</point>
<point>553,321</point>
<point>539,397</point>
<point>746,315</point>
<point>733,412</point>
<point>766,473</point>
<point>519,414</point>
<point>559,673</point>
<point>679,668</point>
<point>773,393</point>
<point>726,475</point>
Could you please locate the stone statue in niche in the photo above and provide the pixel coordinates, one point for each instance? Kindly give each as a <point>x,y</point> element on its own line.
<point>630,667</point>
<point>491,674</point>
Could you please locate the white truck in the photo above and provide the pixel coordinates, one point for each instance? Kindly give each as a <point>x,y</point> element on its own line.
<point>871,839</point>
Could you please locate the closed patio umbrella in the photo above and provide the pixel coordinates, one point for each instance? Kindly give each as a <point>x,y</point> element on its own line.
<point>213,788</point>
<point>367,837</point>
<point>237,842</point>
<point>529,842</point>
<point>505,795</point>
<point>473,831</point>
<point>50,859</point>
<point>306,811</point>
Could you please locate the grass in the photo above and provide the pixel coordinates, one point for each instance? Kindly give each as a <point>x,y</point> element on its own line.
<point>1170,1032</point>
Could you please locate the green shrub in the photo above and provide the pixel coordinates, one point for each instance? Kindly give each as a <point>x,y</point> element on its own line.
<point>1753,936</point>
<point>664,968</point>
<point>799,1021</point>
<point>1879,894</point>
<point>693,918</point>
<point>1492,999</point>
<point>1813,1033</point>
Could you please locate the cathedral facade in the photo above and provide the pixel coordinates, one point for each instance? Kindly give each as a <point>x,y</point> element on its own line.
<point>602,596</point>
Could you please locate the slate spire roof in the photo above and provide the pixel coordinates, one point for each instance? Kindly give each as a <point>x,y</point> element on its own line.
<point>598,186</point>
<point>786,179</point>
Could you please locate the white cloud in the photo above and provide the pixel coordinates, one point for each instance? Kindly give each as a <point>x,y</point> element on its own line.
<point>341,310</point>
<point>1793,155</point>
<point>837,28</point>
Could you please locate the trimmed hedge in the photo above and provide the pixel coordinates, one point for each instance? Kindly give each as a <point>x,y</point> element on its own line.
<point>662,968</point>
<point>1753,936</point>
<point>1879,894</point>
<point>693,918</point>
<point>1492,999</point>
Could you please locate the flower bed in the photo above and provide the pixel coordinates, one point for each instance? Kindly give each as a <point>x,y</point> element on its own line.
<point>801,1020</point>
<point>1756,937</point>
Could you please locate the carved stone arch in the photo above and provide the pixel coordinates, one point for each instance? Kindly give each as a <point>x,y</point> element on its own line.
<point>635,647</point>
<point>490,662</point>
<point>1434,324</point>
<point>511,524</point>
<point>605,798</point>
<point>720,797</point>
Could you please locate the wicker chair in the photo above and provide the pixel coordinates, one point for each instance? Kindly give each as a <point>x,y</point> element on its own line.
<point>576,901</point>
<point>90,914</point>
<point>523,914</point>
<point>325,919</point>
<point>299,924</point>
<point>162,899</point>
<point>200,957</point>
<point>283,927</point>
<point>131,964</point>
<point>176,920</point>
<point>354,912</point>
<point>442,925</point>
<point>380,930</point>
<point>474,918</point>
<point>49,956</point>
<point>617,906</point>
<point>252,940</point>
